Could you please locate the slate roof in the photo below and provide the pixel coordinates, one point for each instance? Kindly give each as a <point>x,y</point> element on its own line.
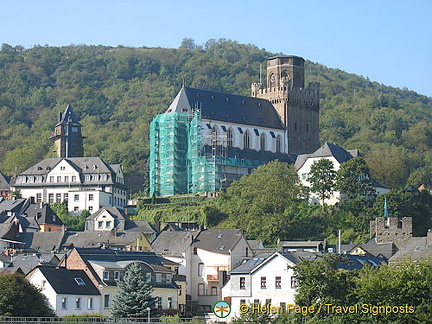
<point>227,107</point>
<point>114,211</point>
<point>28,262</point>
<point>43,214</point>
<point>13,205</point>
<point>68,117</point>
<point>4,182</point>
<point>415,248</point>
<point>42,242</point>
<point>173,243</point>
<point>327,150</point>
<point>97,239</point>
<point>83,165</point>
<point>218,240</point>
<point>63,281</point>
<point>10,271</point>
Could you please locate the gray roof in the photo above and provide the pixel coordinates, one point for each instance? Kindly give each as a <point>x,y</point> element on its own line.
<point>64,281</point>
<point>416,248</point>
<point>4,182</point>
<point>42,242</point>
<point>173,243</point>
<point>218,240</point>
<point>28,262</point>
<point>114,211</point>
<point>328,150</point>
<point>43,214</point>
<point>227,107</point>
<point>13,205</point>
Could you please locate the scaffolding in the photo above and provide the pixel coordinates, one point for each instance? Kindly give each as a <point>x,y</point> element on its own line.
<point>181,163</point>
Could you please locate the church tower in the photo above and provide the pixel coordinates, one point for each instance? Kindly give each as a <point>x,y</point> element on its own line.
<point>297,106</point>
<point>67,135</point>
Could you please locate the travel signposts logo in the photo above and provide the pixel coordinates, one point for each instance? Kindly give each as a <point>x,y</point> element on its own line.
<point>222,309</point>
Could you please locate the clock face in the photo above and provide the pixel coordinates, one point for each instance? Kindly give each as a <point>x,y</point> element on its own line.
<point>272,80</point>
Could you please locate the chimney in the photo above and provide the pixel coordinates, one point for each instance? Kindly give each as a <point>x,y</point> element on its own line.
<point>429,237</point>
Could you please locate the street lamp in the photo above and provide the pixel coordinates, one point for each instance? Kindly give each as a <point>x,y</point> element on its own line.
<point>148,314</point>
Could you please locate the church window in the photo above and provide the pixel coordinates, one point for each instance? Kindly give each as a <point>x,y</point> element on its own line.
<point>262,142</point>
<point>278,143</point>
<point>246,140</point>
<point>230,137</point>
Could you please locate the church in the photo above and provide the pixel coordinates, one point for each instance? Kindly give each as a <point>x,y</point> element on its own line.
<point>207,139</point>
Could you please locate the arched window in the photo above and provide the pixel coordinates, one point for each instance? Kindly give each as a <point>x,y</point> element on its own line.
<point>262,142</point>
<point>246,140</point>
<point>201,290</point>
<point>230,138</point>
<point>278,143</point>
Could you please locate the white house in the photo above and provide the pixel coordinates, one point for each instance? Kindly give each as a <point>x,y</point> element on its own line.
<point>337,155</point>
<point>69,292</point>
<point>85,182</point>
<point>264,279</point>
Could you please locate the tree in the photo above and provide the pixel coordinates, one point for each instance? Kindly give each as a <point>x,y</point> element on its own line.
<point>18,297</point>
<point>353,179</point>
<point>18,160</point>
<point>134,294</point>
<point>322,178</point>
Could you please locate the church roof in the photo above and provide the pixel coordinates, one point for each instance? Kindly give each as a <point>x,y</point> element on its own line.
<point>227,107</point>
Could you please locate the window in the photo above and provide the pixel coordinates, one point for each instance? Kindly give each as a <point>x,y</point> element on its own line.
<point>278,282</point>
<point>195,250</point>
<point>90,197</point>
<point>76,197</point>
<point>268,301</point>
<point>230,139</point>
<point>100,224</point>
<point>51,179</point>
<point>263,282</point>
<point>242,283</point>
<point>65,196</point>
<point>76,209</point>
<point>293,282</point>
<point>262,142</point>
<point>116,275</point>
<point>242,301</point>
<point>90,303</point>
<point>73,178</point>
<point>200,289</point>
<point>90,209</point>
<point>148,276</point>
<point>246,140</point>
<point>62,168</point>
<point>38,197</point>
<point>106,301</point>
<point>105,275</point>
<point>108,224</point>
<point>64,303</point>
<point>159,302</point>
<point>170,305</point>
<point>58,197</point>
<point>78,303</point>
<point>307,127</point>
<point>51,198</point>
<point>66,179</point>
<point>58,178</point>
<point>200,269</point>
<point>79,281</point>
<point>158,277</point>
<point>214,291</point>
<point>278,143</point>
<point>247,251</point>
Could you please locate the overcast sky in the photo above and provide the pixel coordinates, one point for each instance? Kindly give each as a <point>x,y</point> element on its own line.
<point>388,41</point>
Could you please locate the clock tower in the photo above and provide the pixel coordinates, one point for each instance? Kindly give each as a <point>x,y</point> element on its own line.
<point>298,107</point>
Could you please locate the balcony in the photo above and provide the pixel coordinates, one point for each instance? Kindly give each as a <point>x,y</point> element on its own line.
<point>214,278</point>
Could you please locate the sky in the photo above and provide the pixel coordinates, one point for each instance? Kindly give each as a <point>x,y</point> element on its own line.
<point>388,41</point>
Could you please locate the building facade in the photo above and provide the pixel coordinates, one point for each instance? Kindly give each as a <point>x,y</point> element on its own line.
<point>206,139</point>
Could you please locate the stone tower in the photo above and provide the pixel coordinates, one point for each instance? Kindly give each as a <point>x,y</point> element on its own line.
<point>297,106</point>
<point>391,230</point>
<point>67,135</point>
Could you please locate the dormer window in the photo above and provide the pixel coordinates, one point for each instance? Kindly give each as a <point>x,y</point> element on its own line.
<point>80,281</point>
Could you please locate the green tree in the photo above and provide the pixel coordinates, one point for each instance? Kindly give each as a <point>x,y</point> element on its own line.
<point>353,179</point>
<point>18,297</point>
<point>18,160</point>
<point>134,294</point>
<point>322,179</point>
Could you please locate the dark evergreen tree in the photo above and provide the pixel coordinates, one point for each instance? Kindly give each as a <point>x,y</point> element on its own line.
<point>134,294</point>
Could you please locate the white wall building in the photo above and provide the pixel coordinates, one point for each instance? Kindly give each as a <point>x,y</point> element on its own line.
<point>264,279</point>
<point>85,182</point>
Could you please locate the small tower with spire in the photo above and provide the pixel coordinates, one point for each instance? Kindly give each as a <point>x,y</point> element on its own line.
<point>67,135</point>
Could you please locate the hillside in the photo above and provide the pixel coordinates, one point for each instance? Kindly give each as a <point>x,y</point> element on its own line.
<point>116,92</point>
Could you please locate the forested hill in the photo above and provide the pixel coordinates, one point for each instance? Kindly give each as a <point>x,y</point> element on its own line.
<point>116,92</point>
